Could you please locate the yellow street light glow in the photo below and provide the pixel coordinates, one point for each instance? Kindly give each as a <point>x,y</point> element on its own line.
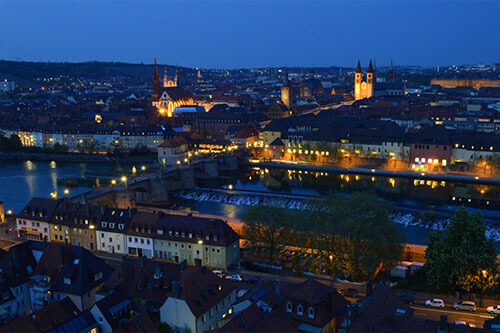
<point>143,167</point>
<point>162,110</point>
<point>123,179</point>
<point>178,162</point>
<point>113,181</point>
<point>185,160</point>
<point>66,191</point>
<point>9,212</point>
<point>200,242</point>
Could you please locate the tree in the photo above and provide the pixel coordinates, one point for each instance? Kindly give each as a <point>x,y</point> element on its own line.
<point>264,228</point>
<point>367,238</point>
<point>355,234</point>
<point>164,328</point>
<point>457,256</point>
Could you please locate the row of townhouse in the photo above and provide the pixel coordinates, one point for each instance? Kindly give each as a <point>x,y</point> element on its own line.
<point>198,240</point>
<point>315,139</point>
<point>100,138</point>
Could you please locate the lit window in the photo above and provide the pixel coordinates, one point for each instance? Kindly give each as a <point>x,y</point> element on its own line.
<point>289,307</point>
<point>300,310</point>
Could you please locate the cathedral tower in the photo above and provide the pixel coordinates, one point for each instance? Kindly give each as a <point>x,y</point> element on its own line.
<point>358,77</point>
<point>369,81</point>
<point>156,86</point>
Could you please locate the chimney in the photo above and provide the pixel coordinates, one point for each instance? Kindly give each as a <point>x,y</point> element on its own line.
<point>190,214</point>
<point>63,254</point>
<point>183,265</point>
<point>369,287</point>
<point>176,289</point>
<point>157,269</point>
<point>443,322</point>
<point>143,261</point>
<point>352,314</point>
<point>277,287</point>
<point>212,223</point>
<point>102,210</point>
<point>129,213</point>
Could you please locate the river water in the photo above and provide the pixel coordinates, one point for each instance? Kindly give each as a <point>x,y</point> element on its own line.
<point>20,181</point>
<point>292,190</point>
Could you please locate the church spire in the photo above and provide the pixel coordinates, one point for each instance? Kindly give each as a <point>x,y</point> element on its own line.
<point>156,85</point>
<point>370,67</point>
<point>358,69</point>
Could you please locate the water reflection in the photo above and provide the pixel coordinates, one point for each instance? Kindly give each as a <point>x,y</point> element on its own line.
<point>395,189</point>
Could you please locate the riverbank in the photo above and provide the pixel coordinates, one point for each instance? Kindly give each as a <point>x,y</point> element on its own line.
<point>375,172</point>
<point>77,157</point>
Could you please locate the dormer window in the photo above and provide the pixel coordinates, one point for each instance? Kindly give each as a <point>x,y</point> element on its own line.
<point>104,224</point>
<point>170,233</point>
<point>41,214</point>
<point>98,276</point>
<point>159,232</point>
<point>300,310</point>
<point>121,226</point>
<point>112,225</point>
<point>67,280</point>
<point>310,312</point>
<point>215,238</point>
<point>143,230</point>
<point>289,307</point>
<point>183,234</point>
<point>149,230</point>
<point>176,234</point>
<point>190,235</point>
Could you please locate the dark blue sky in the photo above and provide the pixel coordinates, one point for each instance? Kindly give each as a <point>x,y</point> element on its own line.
<point>241,33</point>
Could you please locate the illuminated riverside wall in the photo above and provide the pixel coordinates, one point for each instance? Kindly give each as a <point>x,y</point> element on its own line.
<point>474,83</point>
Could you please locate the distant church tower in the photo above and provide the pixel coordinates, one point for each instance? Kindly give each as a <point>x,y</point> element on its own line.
<point>363,89</point>
<point>156,86</point>
<point>286,92</point>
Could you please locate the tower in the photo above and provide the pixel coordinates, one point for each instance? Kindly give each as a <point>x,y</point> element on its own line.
<point>176,80</point>
<point>358,77</point>
<point>391,72</point>
<point>156,86</point>
<point>199,77</point>
<point>165,78</point>
<point>369,81</point>
<point>286,97</point>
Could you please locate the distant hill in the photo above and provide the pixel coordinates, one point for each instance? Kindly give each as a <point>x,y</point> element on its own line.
<point>27,73</point>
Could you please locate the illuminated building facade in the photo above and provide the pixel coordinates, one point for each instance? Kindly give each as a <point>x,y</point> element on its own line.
<point>167,95</point>
<point>363,89</point>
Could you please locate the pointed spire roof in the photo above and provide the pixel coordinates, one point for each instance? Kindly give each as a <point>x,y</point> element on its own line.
<point>156,68</point>
<point>358,69</point>
<point>370,67</point>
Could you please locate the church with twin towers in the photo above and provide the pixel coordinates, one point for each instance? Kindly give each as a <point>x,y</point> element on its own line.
<point>363,89</point>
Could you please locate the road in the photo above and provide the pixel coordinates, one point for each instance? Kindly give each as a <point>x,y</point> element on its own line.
<point>475,318</point>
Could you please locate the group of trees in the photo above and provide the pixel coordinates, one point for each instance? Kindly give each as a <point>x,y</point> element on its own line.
<point>461,257</point>
<point>11,143</point>
<point>349,237</point>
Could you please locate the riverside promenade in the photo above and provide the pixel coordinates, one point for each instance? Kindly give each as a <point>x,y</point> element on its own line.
<point>301,166</point>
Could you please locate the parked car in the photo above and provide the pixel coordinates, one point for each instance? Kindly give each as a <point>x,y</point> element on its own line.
<point>235,277</point>
<point>435,303</point>
<point>254,280</point>
<point>465,306</point>
<point>495,309</point>
<point>464,323</point>
<point>219,273</point>
<point>408,299</point>
<point>350,292</point>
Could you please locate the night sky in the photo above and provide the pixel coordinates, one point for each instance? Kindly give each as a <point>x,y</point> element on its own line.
<point>240,33</point>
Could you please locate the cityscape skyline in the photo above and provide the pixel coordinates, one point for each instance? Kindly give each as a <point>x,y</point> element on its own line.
<point>200,36</point>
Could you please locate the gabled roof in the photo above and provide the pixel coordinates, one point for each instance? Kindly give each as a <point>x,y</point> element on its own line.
<point>153,281</point>
<point>277,143</point>
<point>38,209</point>
<point>173,142</point>
<point>73,264</point>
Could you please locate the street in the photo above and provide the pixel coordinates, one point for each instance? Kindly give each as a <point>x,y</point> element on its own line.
<point>476,318</point>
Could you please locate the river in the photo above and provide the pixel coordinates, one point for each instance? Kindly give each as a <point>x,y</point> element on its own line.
<point>21,181</point>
